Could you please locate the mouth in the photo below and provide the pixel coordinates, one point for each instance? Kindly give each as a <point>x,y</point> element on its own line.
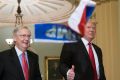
<point>26,43</point>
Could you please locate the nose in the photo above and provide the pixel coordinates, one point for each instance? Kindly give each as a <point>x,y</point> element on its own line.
<point>27,38</point>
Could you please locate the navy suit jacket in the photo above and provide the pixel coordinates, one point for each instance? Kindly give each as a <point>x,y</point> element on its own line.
<point>10,67</point>
<point>77,55</point>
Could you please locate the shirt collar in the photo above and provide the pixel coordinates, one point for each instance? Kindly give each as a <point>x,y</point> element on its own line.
<point>85,41</point>
<point>19,52</point>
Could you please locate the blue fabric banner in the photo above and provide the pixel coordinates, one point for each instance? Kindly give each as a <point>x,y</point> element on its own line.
<point>56,33</point>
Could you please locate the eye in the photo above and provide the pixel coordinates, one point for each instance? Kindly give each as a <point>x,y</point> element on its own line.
<point>23,36</point>
<point>88,27</point>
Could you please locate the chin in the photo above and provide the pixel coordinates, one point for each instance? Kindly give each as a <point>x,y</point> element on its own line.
<point>26,46</point>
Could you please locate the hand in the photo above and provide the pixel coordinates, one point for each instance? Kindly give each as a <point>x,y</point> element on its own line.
<point>71,73</point>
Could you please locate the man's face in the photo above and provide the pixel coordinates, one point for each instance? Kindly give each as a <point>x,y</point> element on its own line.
<point>22,39</point>
<point>90,31</point>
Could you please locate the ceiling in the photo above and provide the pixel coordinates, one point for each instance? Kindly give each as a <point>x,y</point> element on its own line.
<point>36,11</point>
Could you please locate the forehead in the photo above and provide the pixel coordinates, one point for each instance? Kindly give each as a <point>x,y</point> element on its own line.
<point>91,24</point>
<point>24,31</point>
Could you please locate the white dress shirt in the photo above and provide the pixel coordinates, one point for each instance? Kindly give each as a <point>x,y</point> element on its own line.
<point>19,54</point>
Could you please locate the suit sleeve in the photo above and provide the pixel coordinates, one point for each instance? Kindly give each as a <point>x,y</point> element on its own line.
<point>102,76</point>
<point>65,59</point>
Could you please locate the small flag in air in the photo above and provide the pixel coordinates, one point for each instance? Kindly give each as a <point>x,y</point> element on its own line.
<point>81,15</point>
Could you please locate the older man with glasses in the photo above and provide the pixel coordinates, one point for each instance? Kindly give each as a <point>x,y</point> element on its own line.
<point>18,63</point>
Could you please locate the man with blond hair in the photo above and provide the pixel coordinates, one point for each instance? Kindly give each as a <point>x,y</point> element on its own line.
<point>82,60</point>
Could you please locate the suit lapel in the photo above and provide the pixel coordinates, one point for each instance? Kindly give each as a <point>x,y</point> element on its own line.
<point>97,51</point>
<point>16,63</point>
<point>84,50</point>
<point>85,62</point>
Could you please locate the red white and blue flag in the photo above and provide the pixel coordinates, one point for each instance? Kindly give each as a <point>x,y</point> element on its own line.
<point>81,15</point>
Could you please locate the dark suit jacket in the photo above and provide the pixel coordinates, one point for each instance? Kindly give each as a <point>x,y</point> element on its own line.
<point>10,67</point>
<point>77,55</point>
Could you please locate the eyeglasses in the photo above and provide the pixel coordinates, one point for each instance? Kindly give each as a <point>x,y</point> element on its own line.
<point>24,36</point>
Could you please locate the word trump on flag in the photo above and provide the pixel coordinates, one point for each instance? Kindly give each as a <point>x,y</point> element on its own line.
<point>56,33</point>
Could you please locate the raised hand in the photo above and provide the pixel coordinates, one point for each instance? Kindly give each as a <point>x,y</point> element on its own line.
<point>71,73</point>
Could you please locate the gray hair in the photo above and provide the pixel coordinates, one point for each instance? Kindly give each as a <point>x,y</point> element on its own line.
<point>19,28</point>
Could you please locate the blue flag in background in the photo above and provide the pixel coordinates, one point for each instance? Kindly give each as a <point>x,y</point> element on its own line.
<point>56,33</point>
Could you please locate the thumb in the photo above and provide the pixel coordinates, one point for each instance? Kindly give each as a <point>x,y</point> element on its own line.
<point>73,67</point>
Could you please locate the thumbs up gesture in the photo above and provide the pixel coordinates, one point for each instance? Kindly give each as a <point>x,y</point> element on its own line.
<point>71,73</point>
